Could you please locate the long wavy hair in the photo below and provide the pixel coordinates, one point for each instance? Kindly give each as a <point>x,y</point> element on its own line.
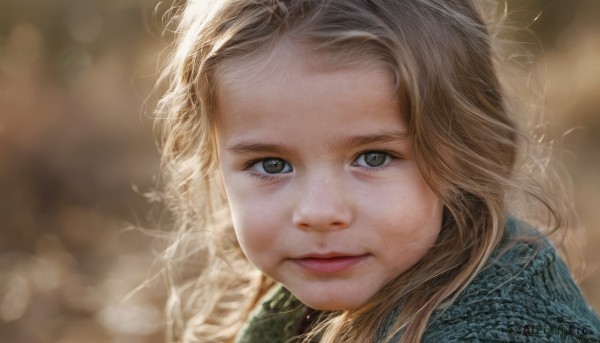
<point>465,141</point>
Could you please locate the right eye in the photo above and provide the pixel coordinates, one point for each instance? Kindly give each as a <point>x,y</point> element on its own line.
<point>272,166</point>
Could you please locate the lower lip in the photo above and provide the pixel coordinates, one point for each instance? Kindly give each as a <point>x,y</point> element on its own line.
<point>330,265</point>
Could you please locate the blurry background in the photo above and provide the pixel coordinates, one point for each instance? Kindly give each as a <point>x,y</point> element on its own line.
<point>76,144</point>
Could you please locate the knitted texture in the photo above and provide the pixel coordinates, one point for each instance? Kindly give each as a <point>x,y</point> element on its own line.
<point>524,294</point>
<point>275,320</point>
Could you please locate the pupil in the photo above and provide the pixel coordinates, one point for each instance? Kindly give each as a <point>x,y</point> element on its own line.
<point>273,165</point>
<point>375,159</point>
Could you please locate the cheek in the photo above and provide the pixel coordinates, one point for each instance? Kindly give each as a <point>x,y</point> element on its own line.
<point>411,217</point>
<point>252,228</point>
<point>254,222</point>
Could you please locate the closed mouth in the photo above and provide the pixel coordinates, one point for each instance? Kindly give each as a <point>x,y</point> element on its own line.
<point>329,263</point>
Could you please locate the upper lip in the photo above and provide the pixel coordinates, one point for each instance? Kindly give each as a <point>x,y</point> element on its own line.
<point>327,255</point>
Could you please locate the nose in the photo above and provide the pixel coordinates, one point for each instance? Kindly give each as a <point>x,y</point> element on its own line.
<point>323,204</point>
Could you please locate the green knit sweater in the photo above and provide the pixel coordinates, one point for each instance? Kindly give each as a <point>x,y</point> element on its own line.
<point>526,294</point>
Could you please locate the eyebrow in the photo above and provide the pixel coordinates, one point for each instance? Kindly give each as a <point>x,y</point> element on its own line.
<point>358,141</point>
<point>243,149</point>
<point>250,148</point>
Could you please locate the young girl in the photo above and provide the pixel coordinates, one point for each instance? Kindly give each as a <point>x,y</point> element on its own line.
<point>344,171</point>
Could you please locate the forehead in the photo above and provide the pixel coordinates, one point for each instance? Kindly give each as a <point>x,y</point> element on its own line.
<point>288,100</point>
<point>287,59</point>
<point>277,91</point>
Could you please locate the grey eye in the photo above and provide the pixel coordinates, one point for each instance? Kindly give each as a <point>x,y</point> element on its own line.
<point>273,166</point>
<point>373,159</point>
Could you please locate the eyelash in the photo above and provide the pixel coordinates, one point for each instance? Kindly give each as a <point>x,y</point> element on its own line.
<point>261,177</point>
<point>264,177</point>
<point>372,170</point>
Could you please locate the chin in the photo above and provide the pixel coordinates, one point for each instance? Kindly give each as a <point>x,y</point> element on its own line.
<point>331,303</point>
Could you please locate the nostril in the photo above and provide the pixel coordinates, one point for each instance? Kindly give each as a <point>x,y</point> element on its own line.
<point>323,222</point>
<point>322,206</point>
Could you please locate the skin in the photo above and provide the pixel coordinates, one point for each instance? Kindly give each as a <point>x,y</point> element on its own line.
<point>313,127</point>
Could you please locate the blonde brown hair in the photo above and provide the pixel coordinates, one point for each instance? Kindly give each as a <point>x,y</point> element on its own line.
<point>465,143</point>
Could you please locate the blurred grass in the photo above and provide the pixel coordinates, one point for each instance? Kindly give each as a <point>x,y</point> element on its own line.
<point>73,140</point>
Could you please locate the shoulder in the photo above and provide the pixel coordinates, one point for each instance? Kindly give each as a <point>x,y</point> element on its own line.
<point>524,293</point>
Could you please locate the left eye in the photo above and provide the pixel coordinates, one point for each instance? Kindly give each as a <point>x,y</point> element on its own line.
<point>372,159</point>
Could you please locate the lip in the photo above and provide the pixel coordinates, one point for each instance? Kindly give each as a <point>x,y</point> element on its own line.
<point>329,263</point>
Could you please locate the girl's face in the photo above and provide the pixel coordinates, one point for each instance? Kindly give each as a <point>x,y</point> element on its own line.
<point>323,190</point>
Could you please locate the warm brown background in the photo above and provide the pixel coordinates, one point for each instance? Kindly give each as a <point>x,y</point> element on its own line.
<point>75,143</point>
